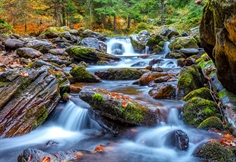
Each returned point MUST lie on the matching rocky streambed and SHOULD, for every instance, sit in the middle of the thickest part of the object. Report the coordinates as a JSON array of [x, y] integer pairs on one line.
[[63, 97]]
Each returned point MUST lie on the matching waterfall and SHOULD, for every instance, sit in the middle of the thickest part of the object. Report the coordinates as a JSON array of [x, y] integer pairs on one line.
[[74, 118]]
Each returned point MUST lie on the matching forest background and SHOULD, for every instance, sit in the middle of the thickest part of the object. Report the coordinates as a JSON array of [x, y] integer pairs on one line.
[[114, 17]]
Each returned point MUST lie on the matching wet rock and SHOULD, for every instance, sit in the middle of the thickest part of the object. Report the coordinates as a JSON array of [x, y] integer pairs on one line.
[[121, 74], [155, 61], [175, 55], [214, 151], [27, 97], [183, 42], [90, 55], [28, 52], [59, 60], [169, 32], [139, 41], [196, 110], [178, 139], [40, 63], [40, 45], [203, 92], [211, 122], [184, 34], [12, 44], [150, 76], [118, 109], [219, 41], [162, 91], [35, 155], [80, 74], [155, 40], [185, 62], [189, 51], [94, 43], [66, 35], [58, 51], [89, 33], [74, 32], [190, 78], [117, 52]]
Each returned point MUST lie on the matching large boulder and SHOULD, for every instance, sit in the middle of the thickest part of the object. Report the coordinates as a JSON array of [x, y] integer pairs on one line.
[[90, 55], [139, 41], [94, 43], [196, 110], [41, 45], [178, 139], [53, 32], [27, 98], [119, 110], [218, 37], [183, 42], [190, 78], [121, 74], [214, 151], [154, 41]]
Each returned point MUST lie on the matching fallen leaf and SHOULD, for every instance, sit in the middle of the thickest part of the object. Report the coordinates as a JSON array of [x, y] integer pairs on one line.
[[46, 159], [124, 104], [134, 130], [78, 155], [99, 148]]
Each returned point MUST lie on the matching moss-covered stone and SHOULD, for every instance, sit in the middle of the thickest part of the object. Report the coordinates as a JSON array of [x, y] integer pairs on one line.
[[201, 92], [80, 74], [53, 32], [90, 55], [196, 110], [211, 122], [155, 41], [226, 94], [214, 151], [190, 78], [183, 42]]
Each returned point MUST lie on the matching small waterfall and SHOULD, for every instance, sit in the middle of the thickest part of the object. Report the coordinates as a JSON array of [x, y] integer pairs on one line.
[[74, 118], [121, 43]]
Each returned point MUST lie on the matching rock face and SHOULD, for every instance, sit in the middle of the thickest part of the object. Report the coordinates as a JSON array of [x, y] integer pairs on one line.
[[27, 97], [115, 110], [218, 37]]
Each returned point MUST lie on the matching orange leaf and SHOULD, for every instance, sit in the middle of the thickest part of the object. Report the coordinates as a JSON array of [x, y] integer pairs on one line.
[[227, 107], [134, 130], [124, 104], [231, 115], [77, 155], [46, 159], [219, 104], [99, 148]]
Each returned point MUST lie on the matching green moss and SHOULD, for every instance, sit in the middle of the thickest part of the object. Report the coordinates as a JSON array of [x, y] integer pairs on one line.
[[201, 92], [225, 93], [132, 112], [214, 151], [97, 97], [211, 122], [197, 110], [81, 74]]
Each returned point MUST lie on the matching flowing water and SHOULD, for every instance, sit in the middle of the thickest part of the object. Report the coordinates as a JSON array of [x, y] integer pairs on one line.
[[69, 126]]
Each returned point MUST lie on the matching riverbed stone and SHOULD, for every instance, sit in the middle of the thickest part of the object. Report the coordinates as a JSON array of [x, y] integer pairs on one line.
[[162, 91], [214, 151], [150, 76], [80, 74], [90, 55], [211, 122], [118, 109], [178, 139], [196, 110], [189, 51], [121, 74], [12, 44], [94, 43], [28, 52], [190, 78], [41, 45]]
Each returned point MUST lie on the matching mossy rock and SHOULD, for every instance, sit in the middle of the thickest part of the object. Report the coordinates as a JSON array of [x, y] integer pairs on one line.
[[201, 92], [53, 32], [211, 122], [155, 41], [225, 94], [190, 78], [196, 110], [90, 55], [214, 151], [80, 74], [183, 42], [208, 67], [121, 74], [119, 108]]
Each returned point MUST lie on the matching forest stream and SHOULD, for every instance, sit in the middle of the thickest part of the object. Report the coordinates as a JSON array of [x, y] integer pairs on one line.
[[69, 126]]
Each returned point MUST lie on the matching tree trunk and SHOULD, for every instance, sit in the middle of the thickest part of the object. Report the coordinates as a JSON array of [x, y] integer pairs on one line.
[[129, 19], [104, 21], [25, 26], [63, 16], [162, 12], [56, 13], [114, 23]]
